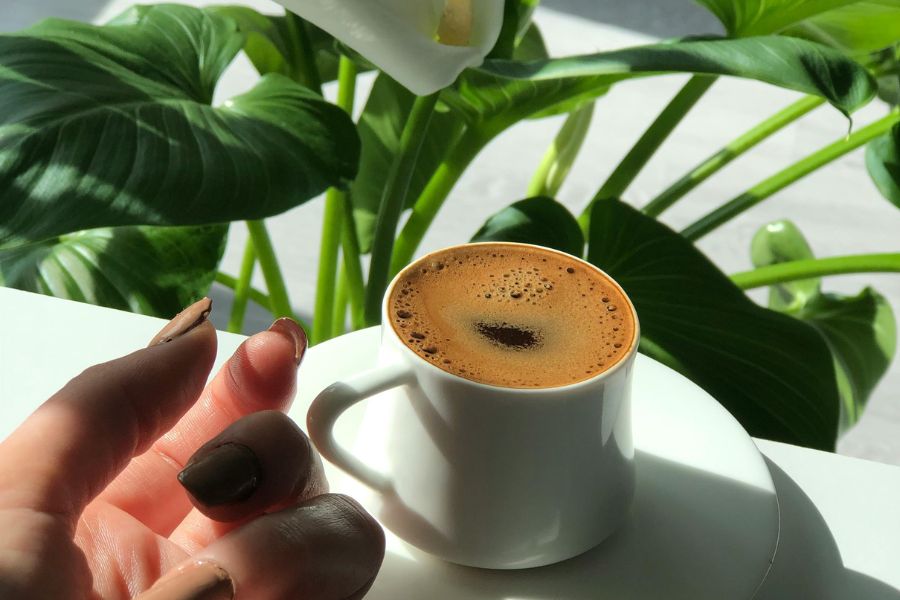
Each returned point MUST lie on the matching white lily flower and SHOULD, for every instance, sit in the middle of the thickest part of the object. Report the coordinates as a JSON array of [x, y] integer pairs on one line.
[[423, 44]]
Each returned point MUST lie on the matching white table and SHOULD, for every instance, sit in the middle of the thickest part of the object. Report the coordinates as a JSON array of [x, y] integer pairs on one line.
[[840, 530]]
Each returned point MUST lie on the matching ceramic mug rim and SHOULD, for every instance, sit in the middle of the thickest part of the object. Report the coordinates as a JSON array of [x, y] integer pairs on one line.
[[626, 359]]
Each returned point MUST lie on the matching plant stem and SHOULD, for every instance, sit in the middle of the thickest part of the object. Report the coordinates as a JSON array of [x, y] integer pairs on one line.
[[242, 289], [558, 159], [328, 258], [255, 294], [307, 71], [278, 296], [732, 150], [351, 272], [649, 143], [433, 196], [332, 224], [784, 178], [339, 315], [817, 267], [393, 199]]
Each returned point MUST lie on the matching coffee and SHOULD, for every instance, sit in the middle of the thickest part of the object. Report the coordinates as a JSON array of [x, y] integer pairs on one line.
[[512, 315]]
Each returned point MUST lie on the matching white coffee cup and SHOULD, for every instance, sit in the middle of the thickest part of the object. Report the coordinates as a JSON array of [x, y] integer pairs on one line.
[[489, 476]]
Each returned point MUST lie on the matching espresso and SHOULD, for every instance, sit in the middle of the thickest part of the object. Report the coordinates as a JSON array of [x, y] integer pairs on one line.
[[512, 316]]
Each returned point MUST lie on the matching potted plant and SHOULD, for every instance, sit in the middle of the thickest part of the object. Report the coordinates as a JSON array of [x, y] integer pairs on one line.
[[119, 178]]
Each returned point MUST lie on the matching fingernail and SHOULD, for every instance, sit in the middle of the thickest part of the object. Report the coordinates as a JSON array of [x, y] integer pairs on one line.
[[290, 329], [191, 317], [197, 581], [226, 474]]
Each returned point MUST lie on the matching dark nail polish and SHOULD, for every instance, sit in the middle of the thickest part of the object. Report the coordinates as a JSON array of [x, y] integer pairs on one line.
[[191, 317], [226, 474], [198, 581], [292, 330]]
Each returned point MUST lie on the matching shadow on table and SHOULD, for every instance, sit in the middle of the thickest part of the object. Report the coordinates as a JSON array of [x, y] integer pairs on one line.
[[661, 18], [666, 549], [808, 563]]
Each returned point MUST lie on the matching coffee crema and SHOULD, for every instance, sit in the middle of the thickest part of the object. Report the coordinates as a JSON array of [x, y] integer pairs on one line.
[[511, 315]]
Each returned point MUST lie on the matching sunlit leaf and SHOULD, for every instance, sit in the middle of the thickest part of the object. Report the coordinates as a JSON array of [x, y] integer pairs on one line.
[[778, 242], [860, 330], [109, 126], [150, 270]]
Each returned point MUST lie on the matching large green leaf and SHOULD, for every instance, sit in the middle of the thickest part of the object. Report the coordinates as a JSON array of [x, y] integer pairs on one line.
[[541, 221], [860, 330], [150, 270], [856, 28], [772, 372], [108, 126], [503, 92], [883, 163], [380, 127]]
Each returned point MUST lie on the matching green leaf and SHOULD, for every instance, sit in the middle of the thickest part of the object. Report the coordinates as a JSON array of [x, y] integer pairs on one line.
[[853, 26], [110, 126], [856, 28], [541, 221], [779, 242], [860, 330], [273, 47], [531, 46], [506, 91], [761, 17], [883, 163], [150, 270], [516, 20], [772, 372], [380, 127]]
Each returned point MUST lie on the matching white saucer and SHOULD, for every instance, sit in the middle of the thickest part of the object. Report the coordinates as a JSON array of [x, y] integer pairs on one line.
[[704, 525]]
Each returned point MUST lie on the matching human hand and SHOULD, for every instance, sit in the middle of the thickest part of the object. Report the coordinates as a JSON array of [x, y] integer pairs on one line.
[[91, 508]]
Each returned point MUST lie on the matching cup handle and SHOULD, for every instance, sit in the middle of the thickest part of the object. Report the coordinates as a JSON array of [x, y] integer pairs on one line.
[[331, 403]]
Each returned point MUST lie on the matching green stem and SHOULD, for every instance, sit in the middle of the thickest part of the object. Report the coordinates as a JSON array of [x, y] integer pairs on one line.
[[817, 267], [393, 199], [256, 295], [784, 178], [278, 296], [735, 148], [433, 196], [332, 224], [649, 143], [307, 71], [558, 159], [341, 300], [242, 289], [351, 272], [328, 258]]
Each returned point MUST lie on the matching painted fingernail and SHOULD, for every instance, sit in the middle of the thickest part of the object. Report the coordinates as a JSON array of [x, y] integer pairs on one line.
[[290, 329], [191, 317], [226, 474], [197, 581]]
